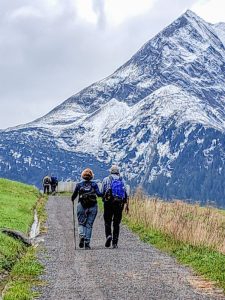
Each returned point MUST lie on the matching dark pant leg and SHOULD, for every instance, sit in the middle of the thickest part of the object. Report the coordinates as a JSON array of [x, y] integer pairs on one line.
[[91, 215], [117, 217], [45, 189], [53, 187], [82, 218], [108, 214]]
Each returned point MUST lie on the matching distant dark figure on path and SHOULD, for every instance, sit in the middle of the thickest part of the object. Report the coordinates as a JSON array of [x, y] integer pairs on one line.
[[115, 198], [46, 184], [54, 184], [87, 207]]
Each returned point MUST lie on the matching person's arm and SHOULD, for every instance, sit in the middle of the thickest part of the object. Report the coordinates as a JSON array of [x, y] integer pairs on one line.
[[126, 198], [76, 191], [97, 191], [104, 188], [127, 205]]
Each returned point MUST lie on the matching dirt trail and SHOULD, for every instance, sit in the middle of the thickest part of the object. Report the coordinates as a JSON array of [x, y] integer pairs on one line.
[[133, 271]]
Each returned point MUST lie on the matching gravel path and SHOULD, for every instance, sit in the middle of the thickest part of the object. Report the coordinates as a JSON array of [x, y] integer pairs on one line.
[[133, 271]]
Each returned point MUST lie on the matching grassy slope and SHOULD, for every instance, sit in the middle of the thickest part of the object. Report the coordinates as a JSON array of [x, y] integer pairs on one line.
[[193, 234], [206, 262], [17, 202], [24, 276]]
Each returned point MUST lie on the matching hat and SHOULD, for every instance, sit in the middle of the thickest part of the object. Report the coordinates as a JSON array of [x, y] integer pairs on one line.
[[87, 174], [114, 169]]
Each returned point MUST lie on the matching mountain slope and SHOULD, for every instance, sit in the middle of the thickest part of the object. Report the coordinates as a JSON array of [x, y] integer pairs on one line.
[[220, 31], [160, 117]]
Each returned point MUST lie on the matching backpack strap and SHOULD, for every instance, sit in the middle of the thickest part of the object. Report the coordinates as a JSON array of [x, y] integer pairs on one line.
[[108, 194], [110, 179]]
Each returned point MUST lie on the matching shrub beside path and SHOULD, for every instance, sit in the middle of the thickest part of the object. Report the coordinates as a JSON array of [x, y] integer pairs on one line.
[[133, 271]]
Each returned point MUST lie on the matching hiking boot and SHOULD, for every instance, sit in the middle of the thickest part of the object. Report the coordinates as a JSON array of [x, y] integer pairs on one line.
[[81, 242], [87, 246], [108, 241], [114, 246]]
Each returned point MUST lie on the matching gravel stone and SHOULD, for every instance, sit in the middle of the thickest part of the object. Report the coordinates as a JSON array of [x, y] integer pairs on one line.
[[133, 271]]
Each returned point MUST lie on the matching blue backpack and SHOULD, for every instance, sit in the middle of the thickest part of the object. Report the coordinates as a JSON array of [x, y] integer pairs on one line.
[[54, 180], [117, 189]]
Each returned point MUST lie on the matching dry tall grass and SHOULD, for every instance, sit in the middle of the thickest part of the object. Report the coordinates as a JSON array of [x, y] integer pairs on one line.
[[184, 222]]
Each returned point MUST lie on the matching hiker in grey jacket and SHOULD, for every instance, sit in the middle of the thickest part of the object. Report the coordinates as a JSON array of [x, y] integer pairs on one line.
[[115, 198], [46, 184]]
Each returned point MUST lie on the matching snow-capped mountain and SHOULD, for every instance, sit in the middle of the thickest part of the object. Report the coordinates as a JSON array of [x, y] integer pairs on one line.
[[160, 117]]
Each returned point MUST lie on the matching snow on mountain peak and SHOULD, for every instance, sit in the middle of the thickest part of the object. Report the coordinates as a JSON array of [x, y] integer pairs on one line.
[[95, 133], [186, 56], [193, 16], [160, 116], [187, 53], [220, 30]]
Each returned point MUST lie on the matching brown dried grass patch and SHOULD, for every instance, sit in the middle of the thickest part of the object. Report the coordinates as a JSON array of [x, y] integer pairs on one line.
[[189, 223]]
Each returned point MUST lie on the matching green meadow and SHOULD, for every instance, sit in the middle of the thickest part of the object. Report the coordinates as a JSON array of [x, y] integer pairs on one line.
[[18, 265]]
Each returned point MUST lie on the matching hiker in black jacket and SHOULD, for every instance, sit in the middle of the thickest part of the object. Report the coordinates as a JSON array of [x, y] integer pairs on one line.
[[87, 207], [54, 184], [115, 198]]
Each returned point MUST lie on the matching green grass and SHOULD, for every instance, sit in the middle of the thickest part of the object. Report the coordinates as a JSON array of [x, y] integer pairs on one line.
[[100, 204], [23, 276], [42, 215], [17, 203], [206, 262]]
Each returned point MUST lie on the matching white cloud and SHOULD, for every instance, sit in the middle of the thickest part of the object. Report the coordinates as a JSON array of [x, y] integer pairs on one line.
[[211, 10], [85, 10], [24, 12], [118, 11]]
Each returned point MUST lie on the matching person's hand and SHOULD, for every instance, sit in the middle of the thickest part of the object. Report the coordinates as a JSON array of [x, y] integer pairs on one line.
[[126, 208]]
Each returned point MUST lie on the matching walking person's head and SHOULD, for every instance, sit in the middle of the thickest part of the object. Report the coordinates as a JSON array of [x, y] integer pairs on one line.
[[115, 170], [87, 174]]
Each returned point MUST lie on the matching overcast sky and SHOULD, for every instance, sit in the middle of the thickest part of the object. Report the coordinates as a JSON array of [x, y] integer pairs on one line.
[[51, 49]]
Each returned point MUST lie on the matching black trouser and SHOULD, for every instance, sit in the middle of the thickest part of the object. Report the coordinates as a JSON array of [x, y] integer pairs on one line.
[[113, 213], [53, 188], [46, 188]]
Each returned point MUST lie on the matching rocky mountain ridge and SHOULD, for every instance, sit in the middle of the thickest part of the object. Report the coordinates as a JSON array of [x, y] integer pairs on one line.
[[160, 116]]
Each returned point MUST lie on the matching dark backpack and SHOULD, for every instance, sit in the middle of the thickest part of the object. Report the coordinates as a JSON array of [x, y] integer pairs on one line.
[[117, 189], [87, 195]]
